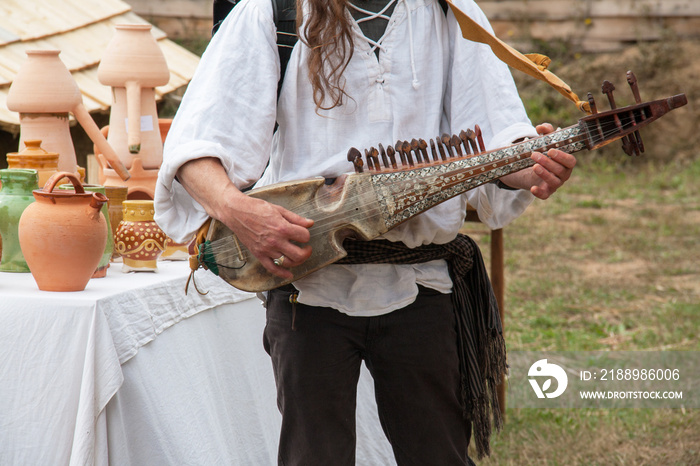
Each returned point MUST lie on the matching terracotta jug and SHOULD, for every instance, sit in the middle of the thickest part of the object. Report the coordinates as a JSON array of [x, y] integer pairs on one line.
[[15, 197], [44, 93], [134, 65], [35, 157], [63, 235], [102, 267], [139, 240]]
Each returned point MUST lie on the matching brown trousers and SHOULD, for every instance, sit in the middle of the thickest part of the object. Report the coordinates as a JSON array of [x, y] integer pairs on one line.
[[412, 356]]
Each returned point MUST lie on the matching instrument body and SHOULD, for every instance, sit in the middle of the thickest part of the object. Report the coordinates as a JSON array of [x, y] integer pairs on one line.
[[367, 204], [338, 210]]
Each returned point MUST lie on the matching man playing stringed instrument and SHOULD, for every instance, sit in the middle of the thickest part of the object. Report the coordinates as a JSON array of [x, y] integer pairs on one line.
[[362, 73]]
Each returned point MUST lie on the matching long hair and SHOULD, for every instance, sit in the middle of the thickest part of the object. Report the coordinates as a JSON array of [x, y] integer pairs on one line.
[[328, 34]]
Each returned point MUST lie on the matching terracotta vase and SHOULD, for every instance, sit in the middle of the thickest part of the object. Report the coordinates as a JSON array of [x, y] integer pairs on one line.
[[134, 65], [116, 196], [15, 197], [44, 93], [63, 235], [142, 184], [139, 240], [102, 267], [35, 157]]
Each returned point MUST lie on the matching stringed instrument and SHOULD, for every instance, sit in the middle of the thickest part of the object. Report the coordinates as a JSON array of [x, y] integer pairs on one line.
[[405, 180]]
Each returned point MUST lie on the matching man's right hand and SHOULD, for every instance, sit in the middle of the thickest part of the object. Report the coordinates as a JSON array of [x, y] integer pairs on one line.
[[271, 233]]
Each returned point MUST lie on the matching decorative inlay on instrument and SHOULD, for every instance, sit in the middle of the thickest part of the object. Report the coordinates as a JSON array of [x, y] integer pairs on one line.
[[406, 179]]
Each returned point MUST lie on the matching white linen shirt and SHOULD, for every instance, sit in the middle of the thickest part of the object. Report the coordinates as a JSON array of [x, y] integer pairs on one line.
[[427, 81]]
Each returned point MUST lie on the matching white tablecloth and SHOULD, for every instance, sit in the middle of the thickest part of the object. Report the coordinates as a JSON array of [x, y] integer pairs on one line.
[[106, 375]]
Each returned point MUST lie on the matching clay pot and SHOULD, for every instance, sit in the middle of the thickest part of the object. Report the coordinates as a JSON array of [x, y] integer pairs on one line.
[[142, 184], [139, 240], [36, 158], [44, 93], [15, 197], [102, 267], [133, 65], [116, 196], [63, 235]]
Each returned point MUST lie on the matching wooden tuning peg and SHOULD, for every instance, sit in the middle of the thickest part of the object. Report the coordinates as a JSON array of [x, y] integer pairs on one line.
[[414, 148], [355, 157], [406, 149], [465, 141], [479, 138], [447, 142], [383, 154], [456, 142], [390, 152]]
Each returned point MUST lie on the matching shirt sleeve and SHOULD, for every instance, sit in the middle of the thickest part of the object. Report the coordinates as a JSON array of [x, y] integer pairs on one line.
[[227, 110], [481, 91]]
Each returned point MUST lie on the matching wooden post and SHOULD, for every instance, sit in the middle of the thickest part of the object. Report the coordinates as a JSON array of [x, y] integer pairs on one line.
[[498, 283]]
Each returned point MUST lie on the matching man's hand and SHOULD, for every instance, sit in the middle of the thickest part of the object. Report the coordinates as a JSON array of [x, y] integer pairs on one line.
[[270, 232], [548, 174]]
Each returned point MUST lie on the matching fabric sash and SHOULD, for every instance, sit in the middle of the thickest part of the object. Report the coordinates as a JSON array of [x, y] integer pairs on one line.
[[482, 351]]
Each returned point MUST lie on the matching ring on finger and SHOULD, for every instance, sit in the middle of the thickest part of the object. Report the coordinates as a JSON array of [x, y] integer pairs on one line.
[[279, 261]]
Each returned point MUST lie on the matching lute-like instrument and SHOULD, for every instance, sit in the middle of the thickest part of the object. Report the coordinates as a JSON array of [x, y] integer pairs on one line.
[[406, 179]]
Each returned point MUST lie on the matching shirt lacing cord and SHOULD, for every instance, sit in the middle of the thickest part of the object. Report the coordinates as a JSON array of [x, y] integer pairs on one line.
[[370, 15]]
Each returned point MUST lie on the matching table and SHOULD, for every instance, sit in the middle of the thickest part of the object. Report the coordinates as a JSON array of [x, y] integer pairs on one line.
[[134, 371]]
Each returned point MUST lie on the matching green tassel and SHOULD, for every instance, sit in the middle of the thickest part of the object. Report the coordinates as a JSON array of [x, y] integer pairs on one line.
[[206, 257]]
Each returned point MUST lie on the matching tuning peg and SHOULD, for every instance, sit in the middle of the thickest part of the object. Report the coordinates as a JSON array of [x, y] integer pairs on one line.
[[441, 149], [406, 149], [374, 156], [399, 149], [632, 81], [391, 153], [591, 102], [433, 151], [447, 142], [456, 142], [479, 138], [423, 148], [414, 148], [355, 157], [471, 137], [465, 141], [368, 158], [608, 89], [383, 154], [628, 144]]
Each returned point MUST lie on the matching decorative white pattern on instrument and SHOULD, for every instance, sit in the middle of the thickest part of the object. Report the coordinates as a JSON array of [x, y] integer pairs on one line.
[[403, 194]]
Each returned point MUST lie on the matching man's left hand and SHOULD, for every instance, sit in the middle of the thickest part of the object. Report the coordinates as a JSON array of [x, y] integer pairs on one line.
[[548, 174]]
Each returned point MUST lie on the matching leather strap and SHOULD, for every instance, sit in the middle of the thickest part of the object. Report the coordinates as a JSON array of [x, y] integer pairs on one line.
[[532, 64]]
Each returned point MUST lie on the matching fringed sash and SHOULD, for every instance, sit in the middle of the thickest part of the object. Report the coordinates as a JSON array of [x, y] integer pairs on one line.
[[482, 351]]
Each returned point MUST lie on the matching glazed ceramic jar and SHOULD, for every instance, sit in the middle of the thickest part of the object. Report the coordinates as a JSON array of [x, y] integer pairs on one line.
[[139, 240], [134, 65], [44, 93], [36, 158], [15, 197], [116, 196], [63, 235], [175, 251]]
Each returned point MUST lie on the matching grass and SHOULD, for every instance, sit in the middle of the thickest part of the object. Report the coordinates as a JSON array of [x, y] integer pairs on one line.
[[610, 262]]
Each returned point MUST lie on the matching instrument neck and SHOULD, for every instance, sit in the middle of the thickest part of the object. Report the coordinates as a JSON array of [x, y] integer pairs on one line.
[[407, 193]]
